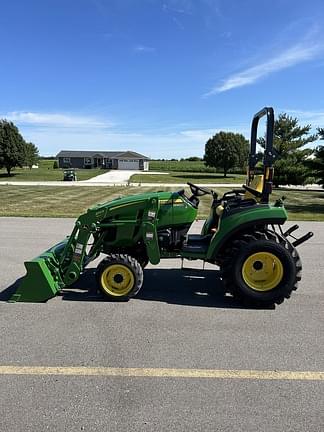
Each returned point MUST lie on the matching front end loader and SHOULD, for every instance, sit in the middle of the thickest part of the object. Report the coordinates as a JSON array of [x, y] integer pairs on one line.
[[243, 235]]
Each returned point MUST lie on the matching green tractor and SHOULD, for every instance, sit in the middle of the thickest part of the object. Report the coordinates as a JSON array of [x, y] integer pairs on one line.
[[242, 235]]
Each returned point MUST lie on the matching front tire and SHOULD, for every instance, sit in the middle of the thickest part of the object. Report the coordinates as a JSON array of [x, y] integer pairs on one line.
[[262, 268], [142, 260], [119, 277]]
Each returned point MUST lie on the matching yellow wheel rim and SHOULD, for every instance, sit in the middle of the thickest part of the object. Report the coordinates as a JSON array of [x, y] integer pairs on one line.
[[262, 271], [117, 280]]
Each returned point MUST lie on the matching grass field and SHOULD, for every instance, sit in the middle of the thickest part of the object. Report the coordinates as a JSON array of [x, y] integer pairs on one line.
[[184, 177], [45, 172], [179, 166], [70, 202]]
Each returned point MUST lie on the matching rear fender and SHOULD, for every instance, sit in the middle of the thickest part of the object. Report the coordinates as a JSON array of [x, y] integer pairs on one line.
[[232, 225]]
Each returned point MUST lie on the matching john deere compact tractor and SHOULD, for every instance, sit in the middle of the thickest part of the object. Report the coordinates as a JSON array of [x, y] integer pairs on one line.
[[243, 235]]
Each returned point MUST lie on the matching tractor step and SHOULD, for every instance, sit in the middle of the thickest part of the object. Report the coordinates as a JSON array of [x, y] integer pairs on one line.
[[196, 243]]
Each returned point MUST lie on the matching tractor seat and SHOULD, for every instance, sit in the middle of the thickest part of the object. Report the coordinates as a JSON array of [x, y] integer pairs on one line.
[[256, 184]]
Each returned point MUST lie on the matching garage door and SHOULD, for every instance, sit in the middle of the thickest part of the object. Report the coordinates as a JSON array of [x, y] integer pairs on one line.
[[128, 164]]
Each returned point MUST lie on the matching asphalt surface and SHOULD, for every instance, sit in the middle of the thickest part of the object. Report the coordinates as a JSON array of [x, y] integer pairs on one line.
[[175, 322]]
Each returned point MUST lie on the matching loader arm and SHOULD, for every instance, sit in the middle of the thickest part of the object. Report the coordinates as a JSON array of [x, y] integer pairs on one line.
[[61, 265], [89, 223]]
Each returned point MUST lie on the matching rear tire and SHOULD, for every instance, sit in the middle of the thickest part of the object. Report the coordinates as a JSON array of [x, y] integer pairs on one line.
[[119, 277], [262, 268]]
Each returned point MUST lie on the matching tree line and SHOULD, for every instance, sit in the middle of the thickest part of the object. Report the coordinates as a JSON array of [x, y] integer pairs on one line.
[[227, 151], [294, 164], [14, 150]]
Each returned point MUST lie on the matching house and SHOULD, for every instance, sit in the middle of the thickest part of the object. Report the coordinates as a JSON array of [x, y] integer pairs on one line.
[[127, 160]]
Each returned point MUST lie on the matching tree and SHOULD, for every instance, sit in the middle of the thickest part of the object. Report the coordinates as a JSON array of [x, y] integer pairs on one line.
[[193, 159], [289, 138], [317, 164], [225, 150], [11, 146], [31, 154], [293, 169]]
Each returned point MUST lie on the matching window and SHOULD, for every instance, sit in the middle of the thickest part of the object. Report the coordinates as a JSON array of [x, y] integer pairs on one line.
[[87, 161], [66, 160]]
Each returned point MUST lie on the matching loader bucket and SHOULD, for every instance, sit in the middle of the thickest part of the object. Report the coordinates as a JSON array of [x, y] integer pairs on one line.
[[43, 279]]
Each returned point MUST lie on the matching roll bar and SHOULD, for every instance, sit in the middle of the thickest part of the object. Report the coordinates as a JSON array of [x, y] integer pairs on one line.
[[268, 151], [268, 157]]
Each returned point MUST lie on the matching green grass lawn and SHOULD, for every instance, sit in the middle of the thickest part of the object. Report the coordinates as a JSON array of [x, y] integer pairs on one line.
[[184, 177], [168, 165], [54, 201], [45, 172], [191, 166]]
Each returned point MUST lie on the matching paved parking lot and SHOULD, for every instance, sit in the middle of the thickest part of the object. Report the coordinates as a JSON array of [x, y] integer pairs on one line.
[[175, 324]]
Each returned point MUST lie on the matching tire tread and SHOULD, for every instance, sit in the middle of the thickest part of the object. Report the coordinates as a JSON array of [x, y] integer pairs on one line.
[[241, 243]]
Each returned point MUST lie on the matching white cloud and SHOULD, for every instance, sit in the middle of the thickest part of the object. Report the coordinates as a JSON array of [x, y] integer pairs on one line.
[[180, 143], [178, 23], [54, 120], [144, 49], [54, 132], [155, 144], [204, 134], [226, 34], [168, 145], [315, 118], [298, 53], [183, 7], [199, 134]]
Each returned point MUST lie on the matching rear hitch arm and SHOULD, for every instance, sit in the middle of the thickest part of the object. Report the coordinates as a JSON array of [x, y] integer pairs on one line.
[[290, 230], [300, 240], [303, 239]]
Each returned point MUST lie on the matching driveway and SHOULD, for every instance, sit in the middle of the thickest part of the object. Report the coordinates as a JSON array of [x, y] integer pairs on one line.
[[113, 176]]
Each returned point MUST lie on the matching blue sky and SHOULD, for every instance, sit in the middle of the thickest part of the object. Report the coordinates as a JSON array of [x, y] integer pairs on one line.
[[156, 76]]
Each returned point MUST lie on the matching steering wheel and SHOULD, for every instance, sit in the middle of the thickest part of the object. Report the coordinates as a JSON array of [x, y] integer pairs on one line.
[[199, 191]]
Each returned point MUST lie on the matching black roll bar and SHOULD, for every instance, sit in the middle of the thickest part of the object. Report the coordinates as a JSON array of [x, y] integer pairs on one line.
[[268, 151], [268, 156]]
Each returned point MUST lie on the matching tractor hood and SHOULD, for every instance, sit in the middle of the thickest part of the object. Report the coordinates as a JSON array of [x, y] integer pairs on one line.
[[174, 208], [133, 199]]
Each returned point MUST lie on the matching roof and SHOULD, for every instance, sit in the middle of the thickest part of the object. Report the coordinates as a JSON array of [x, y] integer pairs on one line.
[[99, 153]]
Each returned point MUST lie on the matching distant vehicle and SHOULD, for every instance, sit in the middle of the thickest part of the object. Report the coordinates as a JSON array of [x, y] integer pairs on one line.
[[69, 175]]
